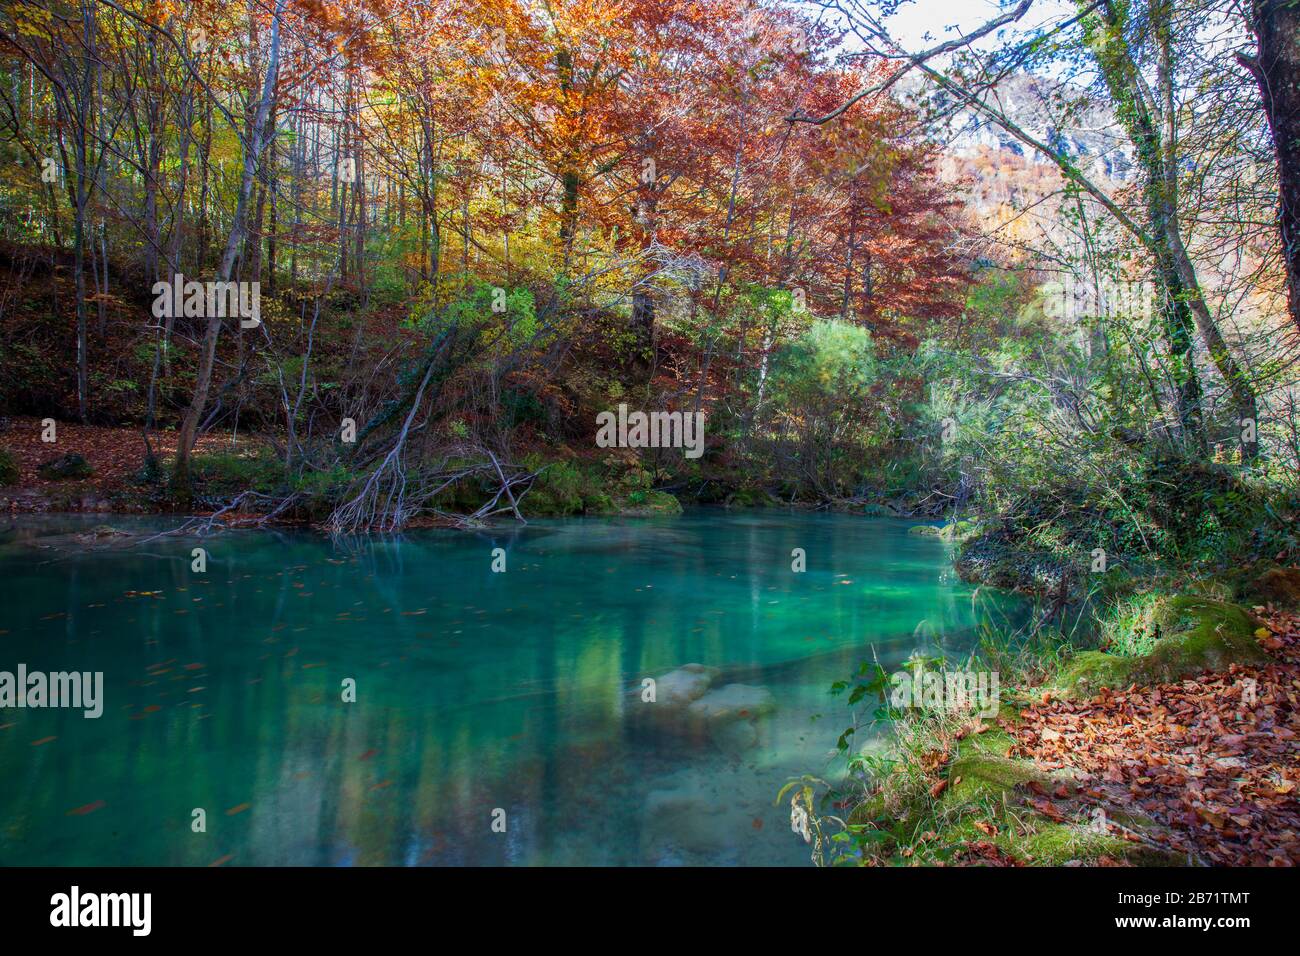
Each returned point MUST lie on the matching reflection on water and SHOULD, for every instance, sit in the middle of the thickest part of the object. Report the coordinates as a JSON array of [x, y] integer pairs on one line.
[[476, 691]]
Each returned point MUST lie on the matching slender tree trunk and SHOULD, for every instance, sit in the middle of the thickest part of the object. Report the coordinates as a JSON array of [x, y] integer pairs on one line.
[[207, 356], [1276, 68], [1157, 154]]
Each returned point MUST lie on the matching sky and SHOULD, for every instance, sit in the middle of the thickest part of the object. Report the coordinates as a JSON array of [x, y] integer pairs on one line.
[[918, 18]]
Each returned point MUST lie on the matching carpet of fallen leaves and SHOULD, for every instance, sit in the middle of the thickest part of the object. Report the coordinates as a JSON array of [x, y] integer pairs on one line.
[[116, 454], [1215, 759]]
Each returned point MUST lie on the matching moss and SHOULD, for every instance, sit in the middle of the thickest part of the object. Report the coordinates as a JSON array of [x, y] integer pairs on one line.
[[990, 742], [647, 503], [1089, 671], [1207, 635], [561, 488], [1055, 844], [953, 531], [976, 775], [870, 810]]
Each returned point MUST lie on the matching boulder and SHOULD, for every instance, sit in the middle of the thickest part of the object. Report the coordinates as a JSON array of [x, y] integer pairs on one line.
[[677, 689]]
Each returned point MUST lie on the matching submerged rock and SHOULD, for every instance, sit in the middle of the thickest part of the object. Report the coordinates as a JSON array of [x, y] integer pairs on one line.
[[687, 705], [733, 702], [689, 819], [677, 689]]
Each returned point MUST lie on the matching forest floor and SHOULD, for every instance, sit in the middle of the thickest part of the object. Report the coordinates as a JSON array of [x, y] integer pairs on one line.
[[1203, 769], [1213, 759], [117, 456]]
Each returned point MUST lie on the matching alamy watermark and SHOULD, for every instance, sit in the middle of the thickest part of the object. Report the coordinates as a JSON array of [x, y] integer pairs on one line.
[[651, 430], [75, 908], [1073, 298], [38, 689], [208, 300], [945, 691]]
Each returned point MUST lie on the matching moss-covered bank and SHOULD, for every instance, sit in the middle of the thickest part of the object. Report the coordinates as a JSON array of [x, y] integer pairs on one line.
[[948, 788]]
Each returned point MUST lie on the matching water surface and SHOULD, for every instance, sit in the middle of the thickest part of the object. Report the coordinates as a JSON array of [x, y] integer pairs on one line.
[[476, 691]]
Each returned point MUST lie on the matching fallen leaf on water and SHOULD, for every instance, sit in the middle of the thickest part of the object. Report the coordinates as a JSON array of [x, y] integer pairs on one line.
[[238, 808], [88, 808]]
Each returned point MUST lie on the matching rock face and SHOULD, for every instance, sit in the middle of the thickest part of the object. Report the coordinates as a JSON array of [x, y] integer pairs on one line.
[[687, 704], [65, 468]]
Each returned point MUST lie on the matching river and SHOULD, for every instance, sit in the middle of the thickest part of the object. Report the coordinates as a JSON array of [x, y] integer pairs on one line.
[[498, 717]]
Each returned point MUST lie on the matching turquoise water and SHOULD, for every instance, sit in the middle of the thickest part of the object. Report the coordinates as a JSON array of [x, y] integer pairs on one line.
[[481, 697]]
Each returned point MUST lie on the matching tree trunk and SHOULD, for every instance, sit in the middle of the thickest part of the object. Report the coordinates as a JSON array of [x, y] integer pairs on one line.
[[1276, 68], [207, 357]]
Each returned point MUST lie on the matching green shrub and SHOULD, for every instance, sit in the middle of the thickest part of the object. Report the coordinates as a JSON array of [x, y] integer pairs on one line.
[[231, 473], [69, 467], [557, 490], [9, 473]]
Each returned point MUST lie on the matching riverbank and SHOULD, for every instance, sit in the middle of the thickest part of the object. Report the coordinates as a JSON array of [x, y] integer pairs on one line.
[[105, 469], [1180, 749]]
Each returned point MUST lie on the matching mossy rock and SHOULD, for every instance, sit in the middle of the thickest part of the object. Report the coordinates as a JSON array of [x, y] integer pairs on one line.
[[952, 531], [1207, 635], [978, 774], [69, 467], [1056, 844], [648, 503], [870, 810], [989, 782]]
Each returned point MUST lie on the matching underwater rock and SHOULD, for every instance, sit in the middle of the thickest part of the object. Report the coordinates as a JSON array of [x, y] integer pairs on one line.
[[733, 702], [677, 689], [685, 705], [689, 819], [734, 737]]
